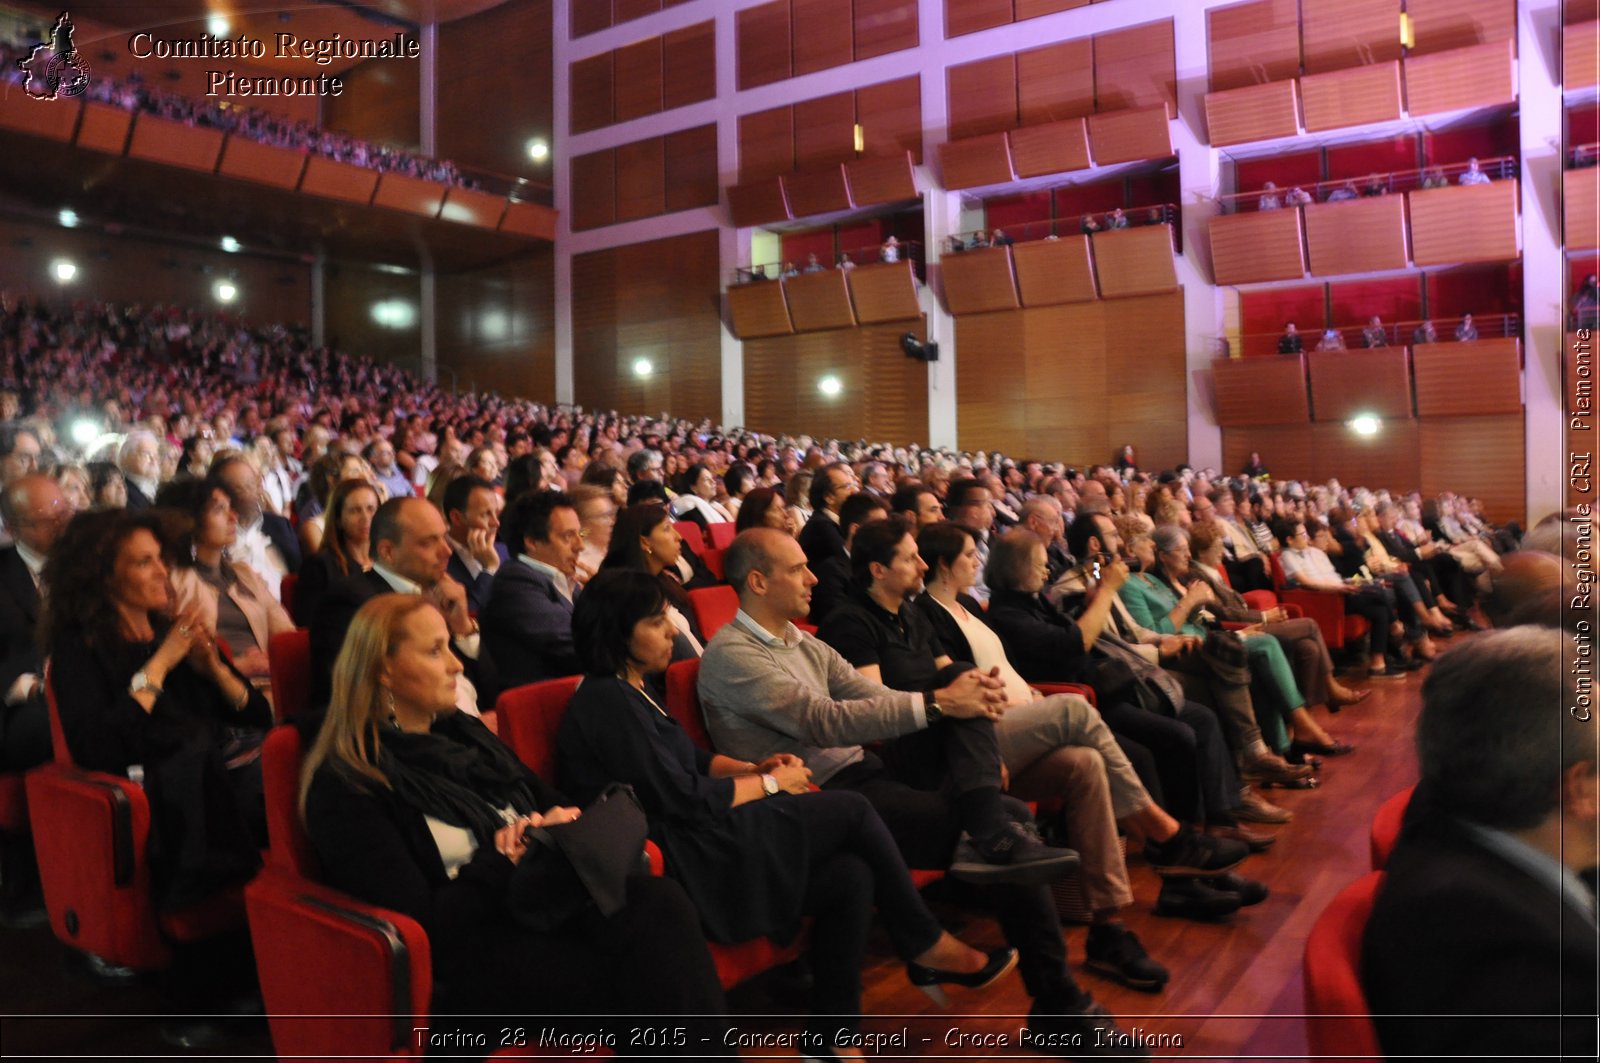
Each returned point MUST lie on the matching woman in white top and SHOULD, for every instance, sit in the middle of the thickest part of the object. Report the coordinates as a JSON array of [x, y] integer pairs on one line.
[[1307, 567], [697, 497]]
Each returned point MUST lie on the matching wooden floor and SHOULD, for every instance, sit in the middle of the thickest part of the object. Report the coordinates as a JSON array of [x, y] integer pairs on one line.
[[1235, 989]]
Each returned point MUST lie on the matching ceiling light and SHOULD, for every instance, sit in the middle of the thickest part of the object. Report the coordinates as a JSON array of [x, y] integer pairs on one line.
[[218, 26], [538, 150], [229, 244], [63, 270], [642, 367], [830, 385], [1364, 424], [68, 217], [226, 291]]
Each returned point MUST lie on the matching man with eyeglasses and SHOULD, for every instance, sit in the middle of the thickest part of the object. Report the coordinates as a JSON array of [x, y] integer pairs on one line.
[[597, 516]]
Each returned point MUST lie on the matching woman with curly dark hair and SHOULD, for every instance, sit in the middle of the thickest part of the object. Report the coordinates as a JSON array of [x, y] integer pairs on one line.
[[135, 687]]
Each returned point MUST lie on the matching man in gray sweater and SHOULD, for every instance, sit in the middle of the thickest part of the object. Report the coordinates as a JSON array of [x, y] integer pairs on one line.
[[766, 687]]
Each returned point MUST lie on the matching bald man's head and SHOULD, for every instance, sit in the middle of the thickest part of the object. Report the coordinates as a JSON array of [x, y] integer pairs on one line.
[[35, 510], [1526, 590]]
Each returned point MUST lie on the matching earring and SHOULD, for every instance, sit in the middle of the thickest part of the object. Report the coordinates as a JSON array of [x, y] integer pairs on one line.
[[387, 701]]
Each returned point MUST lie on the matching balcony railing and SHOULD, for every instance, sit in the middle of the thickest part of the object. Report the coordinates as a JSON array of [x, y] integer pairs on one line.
[[1395, 334], [904, 251], [1071, 225], [1499, 168]]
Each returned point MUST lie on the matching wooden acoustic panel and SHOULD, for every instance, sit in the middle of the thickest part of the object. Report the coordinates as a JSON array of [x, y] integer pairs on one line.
[[1134, 261], [55, 119], [888, 179], [757, 202], [1252, 391], [594, 179], [337, 180], [1342, 34], [1059, 147], [824, 130], [1574, 11], [1026, 9], [884, 393], [1580, 204], [590, 16], [636, 80], [176, 144], [1445, 25], [264, 163], [1347, 383], [1580, 56], [982, 96], [969, 16], [1285, 447], [884, 26], [1480, 76], [761, 38], [766, 143], [1480, 457], [1389, 459], [978, 281], [819, 301], [1465, 223], [1262, 245], [759, 308], [691, 158], [1056, 82], [816, 192], [1054, 271], [975, 161], [689, 65], [1253, 43], [628, 10], [1356, 236], [1457, 379], [530, 219], [1136, 67], [103, 128], [589, 82], [890, 114], [823, 32], [884, 291], [991, 382], [641, 179], [1254, 112], [397, 191], [1129, 136], [1356, 96], [469, 206]]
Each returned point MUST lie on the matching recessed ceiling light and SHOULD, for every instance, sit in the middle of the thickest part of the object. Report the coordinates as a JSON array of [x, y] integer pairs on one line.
[[229, 244], [63, 270], [68, 217], [830, 385], [218, 26], [226, 291], [538, 150], [642, 367]]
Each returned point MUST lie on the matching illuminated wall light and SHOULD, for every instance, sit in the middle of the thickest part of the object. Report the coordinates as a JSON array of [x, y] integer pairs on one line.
[[229, 244], [642, 367], [226, 291], [68, 217], [830, 385], [394, 313], [62, 270], [538, 150], [1408, 32], [860, 138], [218, 26], [1364, 425]]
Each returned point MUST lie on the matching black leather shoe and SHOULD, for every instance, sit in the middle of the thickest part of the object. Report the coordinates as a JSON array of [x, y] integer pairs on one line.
[[1015, 856], [1248, 890], [1194, 898], [1116, 952], [931, 979]]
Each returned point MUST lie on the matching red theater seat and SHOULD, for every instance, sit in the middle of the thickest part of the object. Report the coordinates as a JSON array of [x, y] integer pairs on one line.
[[721, 535], [289, 669], [1386, 825], [693, 537], [1339, 1022], [1325, 607], [713, 607]]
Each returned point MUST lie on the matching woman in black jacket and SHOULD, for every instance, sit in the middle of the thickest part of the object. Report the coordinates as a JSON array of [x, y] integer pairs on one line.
[[414, 806]]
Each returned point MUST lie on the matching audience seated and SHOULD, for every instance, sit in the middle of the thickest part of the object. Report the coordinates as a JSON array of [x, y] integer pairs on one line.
[[345, 550], [821, 537], [472, 515], [1290, 342], [833, 574], [35, 513], [645, 540], [527, 622]]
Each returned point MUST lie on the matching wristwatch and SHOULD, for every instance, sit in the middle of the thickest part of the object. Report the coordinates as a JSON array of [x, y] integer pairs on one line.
[[769, 784], [141, 681], [931, 709]]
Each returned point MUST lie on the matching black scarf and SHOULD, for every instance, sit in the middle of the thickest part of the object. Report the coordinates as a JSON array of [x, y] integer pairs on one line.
[[458, 772]]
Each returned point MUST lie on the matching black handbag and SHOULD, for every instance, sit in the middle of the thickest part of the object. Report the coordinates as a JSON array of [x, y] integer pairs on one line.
[[573, 867]]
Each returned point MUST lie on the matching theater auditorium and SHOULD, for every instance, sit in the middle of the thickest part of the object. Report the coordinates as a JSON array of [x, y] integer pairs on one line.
[[821, 529]]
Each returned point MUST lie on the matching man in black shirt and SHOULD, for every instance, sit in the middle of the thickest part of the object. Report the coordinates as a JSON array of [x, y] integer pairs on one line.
[[1290, 342], [822, 537], [833, 572]]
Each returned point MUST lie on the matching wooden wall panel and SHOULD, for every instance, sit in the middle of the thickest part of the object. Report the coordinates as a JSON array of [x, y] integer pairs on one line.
[[762, 42], [1055, 148], [884, 291], [1483, 75], [1581, 206], [1054, 271], [1336, 34], [104, 128], [524, 219], [398, 191], [1474, 378], [636, 80], [590, 16], [976, 161], [1389, 459], [1579, 11], [1257, 391], [1026, 9], [641, 180], [1347, 383], [766, 143], [338, 180], [820, 191], [1129, 136], [176, 143], [250, 161], [691, 162], [1136, 68], [1580, 56], [593, 190], [1254, 112], [757, 202], [1356, 237], [1287, 449], [628, 10], [477, 123], [1353, 96], [991, 382], [979, 281], [689, 65], [1472, 223], [1253, 43], [626, 306], [884, 26], [760, 308], [823, 31], [1146, 379], [970, 16], [982, 96], [819, 301], [1257, 246], [824, 131], [882, 180], [890, 114], [496, 329], [1134, 261], [1441, 25], [1056, 82], [1481, 457], [57, 122], [379, 103], [885, 394], [470, 206], [589, 83]]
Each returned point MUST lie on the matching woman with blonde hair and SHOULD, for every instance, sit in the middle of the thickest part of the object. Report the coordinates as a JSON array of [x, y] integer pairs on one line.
[[414, 806]]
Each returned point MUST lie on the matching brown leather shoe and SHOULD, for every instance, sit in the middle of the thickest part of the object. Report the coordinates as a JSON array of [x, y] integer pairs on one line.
[[1253, 808], [1274, 769], [1258, 841]]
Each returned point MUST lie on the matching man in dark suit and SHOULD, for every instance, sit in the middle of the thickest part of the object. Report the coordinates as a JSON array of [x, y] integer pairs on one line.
[[472, 512], [266, 542], [36, 513], [822, 537], [409, 556], [1482, 940], [527, 623], [833, 574]]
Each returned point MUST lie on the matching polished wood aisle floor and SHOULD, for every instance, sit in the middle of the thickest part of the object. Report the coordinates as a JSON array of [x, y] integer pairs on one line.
[[1235, 991]]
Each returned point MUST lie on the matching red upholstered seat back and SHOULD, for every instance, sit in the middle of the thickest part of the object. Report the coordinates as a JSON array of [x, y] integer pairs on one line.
[[1386, 827], [713, 607], [683, 700], [1339, 1020], [287, 844], [529, 719], [286, 592], [722, 535], [289, 669], [693, 537]]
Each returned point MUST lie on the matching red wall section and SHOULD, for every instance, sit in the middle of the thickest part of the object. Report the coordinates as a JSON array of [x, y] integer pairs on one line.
[[1583, 125], [1483, 141], [1151, 189], [1481, 290], [1016, 211], [1579, 268], [1082, 199], [1382, 156], [1393, 299], [796, 246], [867, 234], [1303, 168], [1265, 312]]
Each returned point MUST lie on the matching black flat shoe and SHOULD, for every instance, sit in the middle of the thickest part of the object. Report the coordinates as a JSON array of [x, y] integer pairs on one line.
[[1334, 749], [931, 979]]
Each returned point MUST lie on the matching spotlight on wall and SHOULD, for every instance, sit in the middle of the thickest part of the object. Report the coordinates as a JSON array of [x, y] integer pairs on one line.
[[218, 26], [225, 291], [915, 348], [538, 149], [860, 139], [394, 313], [229, 244], [63, 270], [642, 367], [830, 385], [68, 218], [1364, 424]]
